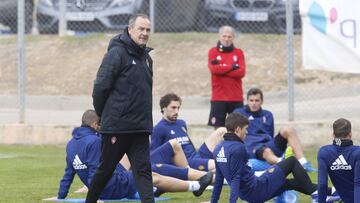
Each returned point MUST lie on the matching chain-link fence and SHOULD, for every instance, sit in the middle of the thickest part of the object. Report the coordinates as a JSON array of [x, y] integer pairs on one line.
[[169, 15], [184, 32]]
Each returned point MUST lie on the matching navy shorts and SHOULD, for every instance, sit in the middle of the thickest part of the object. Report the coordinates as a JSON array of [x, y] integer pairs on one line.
[[277, 145], [162, 154], [220, 109], [198, 163], [204, 152]]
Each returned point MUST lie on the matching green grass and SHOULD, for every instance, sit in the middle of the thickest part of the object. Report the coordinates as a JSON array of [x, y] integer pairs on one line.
[[32, 173]]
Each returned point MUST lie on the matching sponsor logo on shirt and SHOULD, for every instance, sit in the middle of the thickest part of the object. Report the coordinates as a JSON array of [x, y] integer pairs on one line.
[[77, 163], [220, 157], [183, 140], [340, 164]]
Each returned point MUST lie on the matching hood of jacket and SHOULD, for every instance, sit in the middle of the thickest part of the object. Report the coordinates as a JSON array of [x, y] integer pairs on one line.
[[124, 39], [83, 131]]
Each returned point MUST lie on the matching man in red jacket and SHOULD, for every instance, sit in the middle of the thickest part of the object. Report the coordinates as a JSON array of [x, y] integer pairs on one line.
[[227, 66]]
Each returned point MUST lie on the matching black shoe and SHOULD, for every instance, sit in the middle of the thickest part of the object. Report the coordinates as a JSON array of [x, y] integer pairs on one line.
[[204, 181], [158, 192]]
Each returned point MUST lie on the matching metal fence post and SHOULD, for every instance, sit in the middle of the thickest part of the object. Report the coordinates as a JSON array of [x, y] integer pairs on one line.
[[152, 15], [62, 18], [21, 59], [290, 60]]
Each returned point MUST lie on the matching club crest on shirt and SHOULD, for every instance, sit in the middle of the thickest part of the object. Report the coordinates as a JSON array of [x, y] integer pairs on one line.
[[271, 170], [213, 120], [218, 58], [264, 119], [158, 165], [235, 58], [113, 140], [184, 129], [201, 167]]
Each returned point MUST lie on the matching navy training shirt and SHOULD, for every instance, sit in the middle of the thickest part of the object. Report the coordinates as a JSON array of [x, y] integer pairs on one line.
[[341, 162], [165, 131]]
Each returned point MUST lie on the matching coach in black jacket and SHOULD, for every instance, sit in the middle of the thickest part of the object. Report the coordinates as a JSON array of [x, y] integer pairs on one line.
[[122, 97]]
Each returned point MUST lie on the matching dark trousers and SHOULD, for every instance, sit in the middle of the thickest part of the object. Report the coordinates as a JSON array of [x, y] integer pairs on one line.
[[114, 146], [301, 181]]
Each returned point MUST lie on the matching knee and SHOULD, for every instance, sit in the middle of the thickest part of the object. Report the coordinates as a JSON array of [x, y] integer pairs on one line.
[[267, 152], [156, 179], [287, 131], [175, 145], [292, 160]]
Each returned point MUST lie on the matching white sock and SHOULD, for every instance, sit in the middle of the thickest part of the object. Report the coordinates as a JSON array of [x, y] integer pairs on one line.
[[302, 160], [193, 186]]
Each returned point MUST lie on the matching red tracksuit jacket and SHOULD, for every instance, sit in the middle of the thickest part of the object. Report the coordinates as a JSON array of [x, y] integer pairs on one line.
[[226, 82]]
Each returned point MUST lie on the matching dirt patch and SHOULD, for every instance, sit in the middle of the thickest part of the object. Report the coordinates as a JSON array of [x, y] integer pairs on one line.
[[67, 66]]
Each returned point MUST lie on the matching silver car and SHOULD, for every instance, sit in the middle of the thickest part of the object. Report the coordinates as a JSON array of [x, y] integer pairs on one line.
[[87, 15], [103, 15]]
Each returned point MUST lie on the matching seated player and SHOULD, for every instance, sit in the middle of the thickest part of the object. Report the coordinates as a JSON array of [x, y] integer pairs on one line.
[[231, 163], [260, 141], [170, 127], [82, 158], [341, 162]]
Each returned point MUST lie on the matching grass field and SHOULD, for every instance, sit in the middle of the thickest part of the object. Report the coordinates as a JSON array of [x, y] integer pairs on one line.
[[32, 173]]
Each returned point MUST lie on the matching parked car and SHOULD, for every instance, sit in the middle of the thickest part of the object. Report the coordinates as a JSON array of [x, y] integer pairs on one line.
[[86, 15], [8, 14], [249, 15], [100, 15]]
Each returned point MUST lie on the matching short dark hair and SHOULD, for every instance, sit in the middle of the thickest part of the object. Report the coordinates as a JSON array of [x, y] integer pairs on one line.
[[134, 17], [342, 128], [89, 117], [255, 91], [235, 120], [167, 99]]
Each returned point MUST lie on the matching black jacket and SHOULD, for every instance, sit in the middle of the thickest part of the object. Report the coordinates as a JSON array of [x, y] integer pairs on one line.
[[122, 94]]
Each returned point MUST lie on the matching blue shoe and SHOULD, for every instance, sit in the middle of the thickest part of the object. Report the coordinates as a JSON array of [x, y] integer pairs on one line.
[[309, 168]]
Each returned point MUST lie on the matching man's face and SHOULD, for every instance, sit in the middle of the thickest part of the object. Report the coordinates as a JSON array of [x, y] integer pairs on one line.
[[171, 112], [226, 38], [141, 31], [254, 102], [244, 132]]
